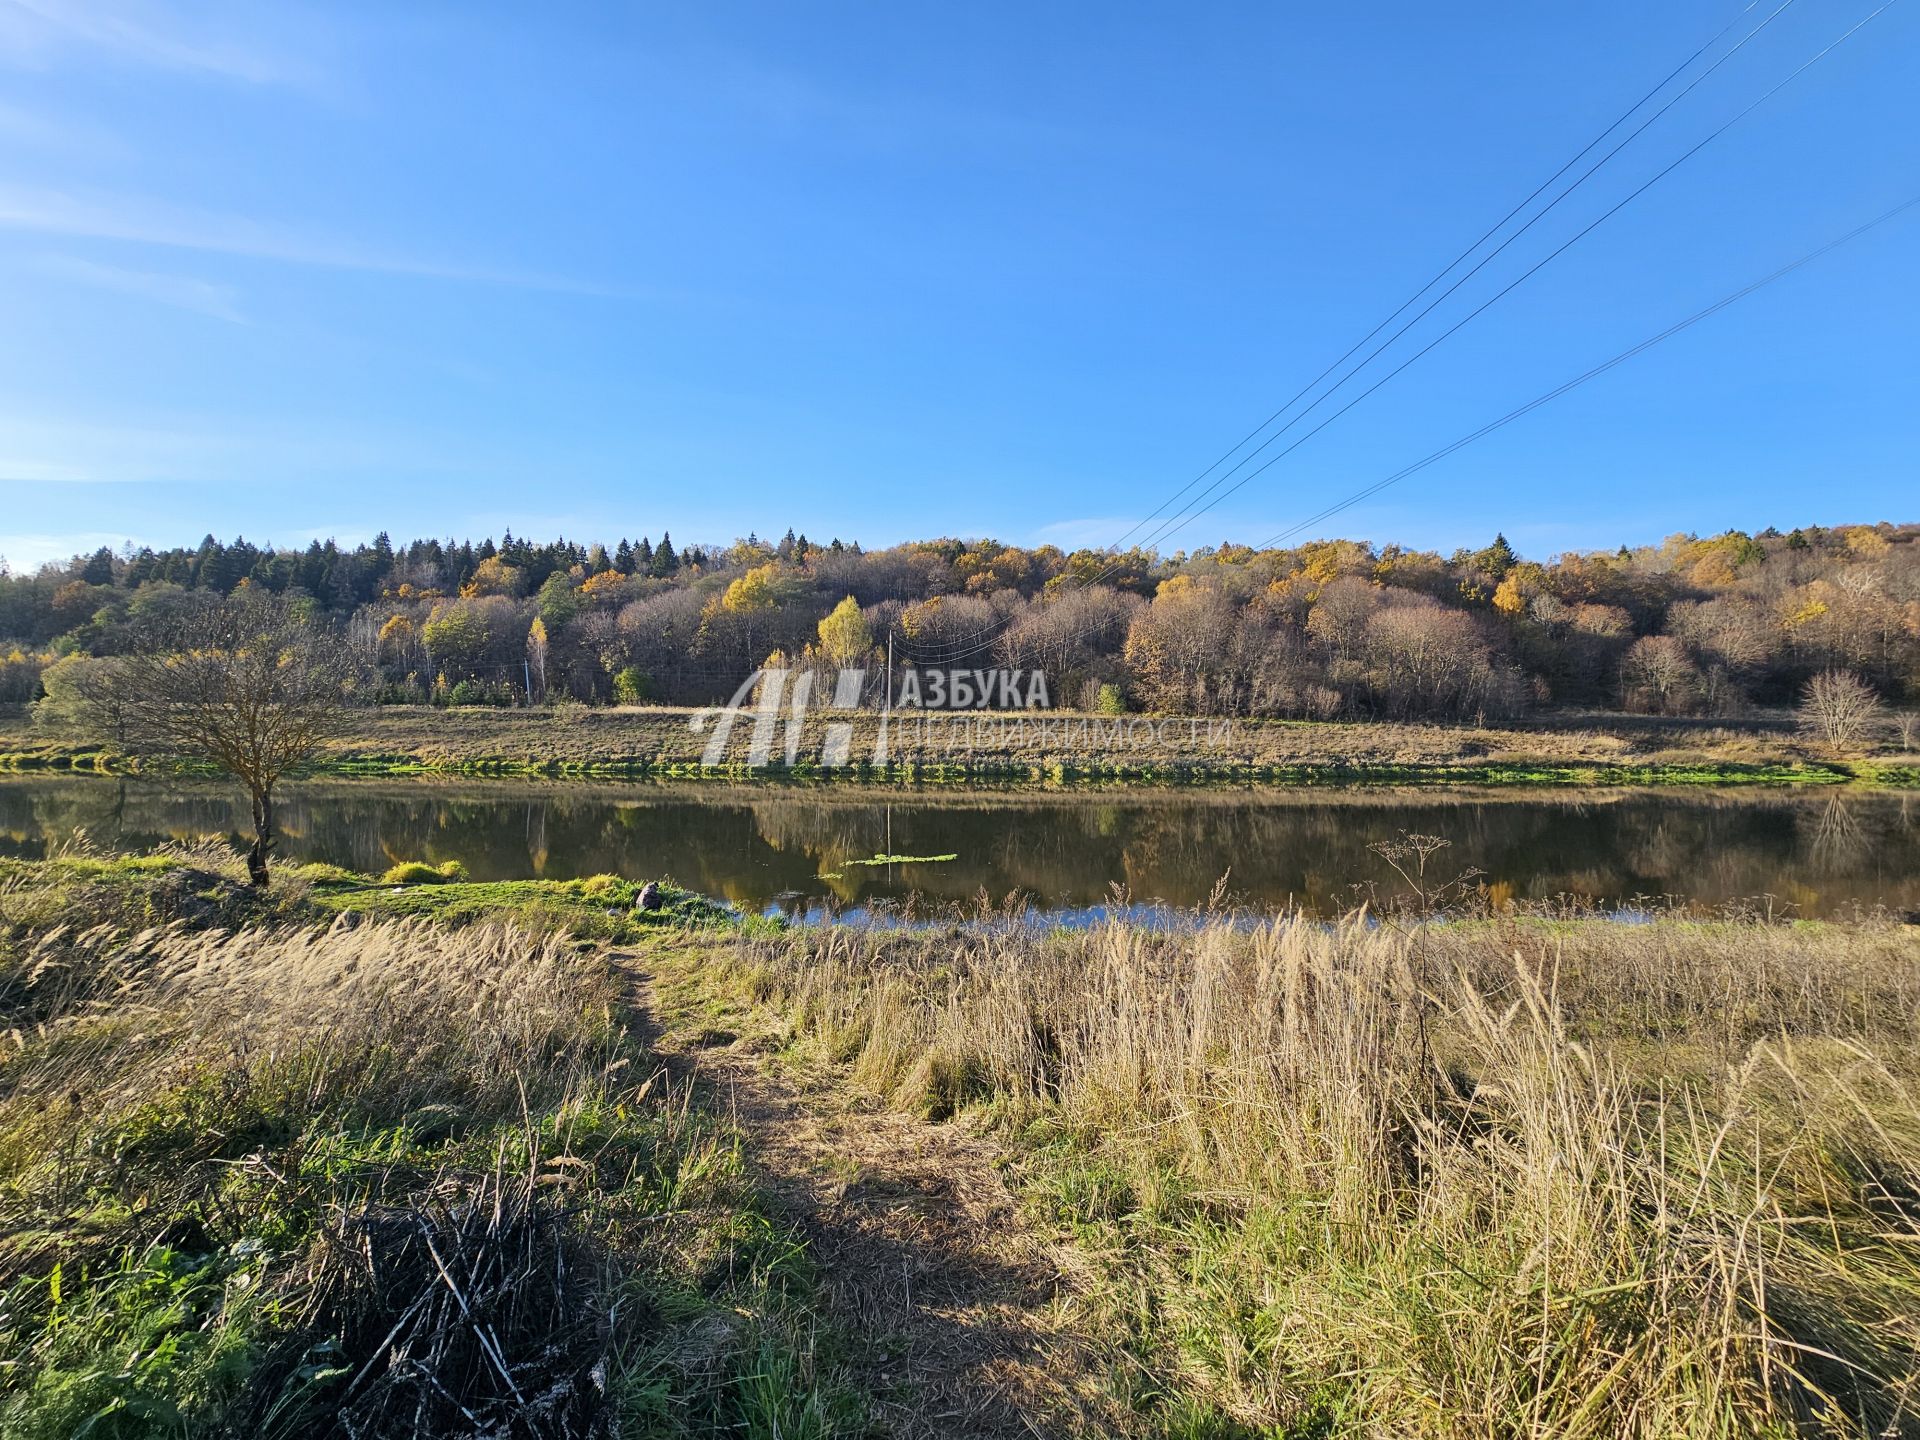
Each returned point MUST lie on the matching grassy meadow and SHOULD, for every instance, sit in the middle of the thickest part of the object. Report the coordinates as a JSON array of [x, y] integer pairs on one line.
[[1488, 1178], [409, 1159], [274, 1168], [1055, 747]]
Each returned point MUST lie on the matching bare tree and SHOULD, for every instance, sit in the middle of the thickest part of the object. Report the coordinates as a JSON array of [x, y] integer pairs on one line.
[[1658, 676], [1066, 635], [248, 686], [1839, 707], [1426, 659]]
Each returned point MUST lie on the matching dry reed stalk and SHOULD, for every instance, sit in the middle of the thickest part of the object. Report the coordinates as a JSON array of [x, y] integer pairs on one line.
[[1653, 1174]]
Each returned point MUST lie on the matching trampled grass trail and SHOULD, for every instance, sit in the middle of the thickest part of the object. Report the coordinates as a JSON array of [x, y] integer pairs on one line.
[[958, 1316]]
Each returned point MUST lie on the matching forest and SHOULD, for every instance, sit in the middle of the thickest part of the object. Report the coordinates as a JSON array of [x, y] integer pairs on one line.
[[1332, 629]]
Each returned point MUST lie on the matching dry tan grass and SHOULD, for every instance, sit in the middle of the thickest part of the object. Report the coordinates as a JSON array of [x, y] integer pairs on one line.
[[398, 1014], [662, 736], [1658, 1180], [279, 1180]]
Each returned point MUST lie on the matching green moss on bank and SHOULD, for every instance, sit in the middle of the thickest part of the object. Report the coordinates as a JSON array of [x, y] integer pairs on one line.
[[601, 907]]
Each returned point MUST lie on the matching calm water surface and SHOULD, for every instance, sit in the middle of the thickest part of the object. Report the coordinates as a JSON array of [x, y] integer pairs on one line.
[[1820, 852]]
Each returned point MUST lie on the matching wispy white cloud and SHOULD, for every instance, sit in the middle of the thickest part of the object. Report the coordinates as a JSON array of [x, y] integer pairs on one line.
[[39, 450], [1091, 530], [37, 32], [284, 452], [42, 449], [25, 552], [134, 219], [26, 129], [183, 292]]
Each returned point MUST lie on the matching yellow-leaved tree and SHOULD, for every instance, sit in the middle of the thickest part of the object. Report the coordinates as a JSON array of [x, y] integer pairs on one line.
[[752, 597], [537, 654], [845, 637]]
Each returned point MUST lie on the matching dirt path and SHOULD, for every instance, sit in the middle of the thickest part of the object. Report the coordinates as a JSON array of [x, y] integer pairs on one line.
[[957, 1312]]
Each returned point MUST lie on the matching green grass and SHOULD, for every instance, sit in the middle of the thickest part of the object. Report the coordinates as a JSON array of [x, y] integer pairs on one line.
[[198, 884], [601, 907], [1653, 1180], [418, 872], [201, 1127]]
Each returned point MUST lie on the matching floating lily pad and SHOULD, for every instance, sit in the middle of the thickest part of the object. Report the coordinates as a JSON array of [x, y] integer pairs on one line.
[[904, 860]]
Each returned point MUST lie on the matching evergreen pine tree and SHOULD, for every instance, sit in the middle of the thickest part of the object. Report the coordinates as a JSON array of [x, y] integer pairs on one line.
[[99, 567]]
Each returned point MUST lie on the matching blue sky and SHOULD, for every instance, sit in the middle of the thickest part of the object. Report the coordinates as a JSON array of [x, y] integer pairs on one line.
[[889, 271]]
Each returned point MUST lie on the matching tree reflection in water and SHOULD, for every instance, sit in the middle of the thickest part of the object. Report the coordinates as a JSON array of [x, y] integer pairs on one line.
[[1058, 851]]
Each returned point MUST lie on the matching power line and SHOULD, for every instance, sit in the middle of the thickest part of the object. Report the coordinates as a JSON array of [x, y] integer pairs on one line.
[[1598, 370], [1493, 230], [983, 638], [1165, 533], [1594, 373]]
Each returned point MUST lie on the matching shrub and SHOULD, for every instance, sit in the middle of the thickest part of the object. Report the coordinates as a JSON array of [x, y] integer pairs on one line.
[[321, 873], [418, 872], [475, 692], [631, 685], [1110, 701], [405, 692], [20, 674]]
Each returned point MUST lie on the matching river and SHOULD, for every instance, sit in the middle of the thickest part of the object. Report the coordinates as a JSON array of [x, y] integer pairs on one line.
[[1810, 852]]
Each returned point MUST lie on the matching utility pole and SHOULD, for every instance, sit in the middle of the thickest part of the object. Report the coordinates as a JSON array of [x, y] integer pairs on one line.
[[886, 718]]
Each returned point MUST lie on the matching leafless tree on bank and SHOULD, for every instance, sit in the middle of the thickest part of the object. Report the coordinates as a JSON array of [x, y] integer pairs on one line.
[[249, 686], [1907, 725], [1839, 707]]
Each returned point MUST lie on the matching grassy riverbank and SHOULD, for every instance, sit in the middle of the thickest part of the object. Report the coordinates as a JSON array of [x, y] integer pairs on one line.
[[1502, 1178], [264, 1158], [270, 1170], [1050, 748]]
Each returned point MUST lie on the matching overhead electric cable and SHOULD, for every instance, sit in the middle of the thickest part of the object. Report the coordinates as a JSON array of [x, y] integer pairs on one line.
[[1598, 370], [1487, 235], [1554, 394], [1167, 529], [1525, 275]]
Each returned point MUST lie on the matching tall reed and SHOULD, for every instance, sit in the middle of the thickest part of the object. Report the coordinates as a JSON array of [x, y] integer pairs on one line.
[[1658, 1180]]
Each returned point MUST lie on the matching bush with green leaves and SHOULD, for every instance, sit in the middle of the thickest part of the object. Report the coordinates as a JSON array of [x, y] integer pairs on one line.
[[419, 872]]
